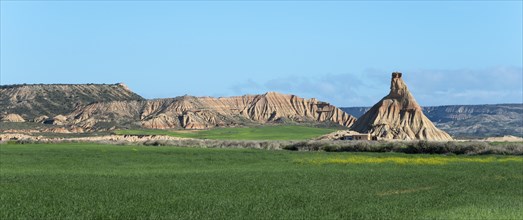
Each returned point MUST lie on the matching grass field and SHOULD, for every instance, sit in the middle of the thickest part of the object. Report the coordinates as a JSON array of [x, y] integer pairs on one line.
[[283, 132], [89, 181]]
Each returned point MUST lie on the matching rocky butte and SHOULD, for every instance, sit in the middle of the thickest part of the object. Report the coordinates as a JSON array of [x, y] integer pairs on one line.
[[398, 116]]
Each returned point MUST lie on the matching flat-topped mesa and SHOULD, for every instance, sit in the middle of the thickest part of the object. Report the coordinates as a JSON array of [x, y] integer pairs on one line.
[[398, 116]]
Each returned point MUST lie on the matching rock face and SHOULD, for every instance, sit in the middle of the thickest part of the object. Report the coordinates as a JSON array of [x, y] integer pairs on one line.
[[398, 116], [206, 112], [12, 118], [31, 101]]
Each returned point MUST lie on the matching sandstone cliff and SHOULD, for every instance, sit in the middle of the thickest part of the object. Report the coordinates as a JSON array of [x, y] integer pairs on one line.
[[35, 102], [206, 112], [398, 116]]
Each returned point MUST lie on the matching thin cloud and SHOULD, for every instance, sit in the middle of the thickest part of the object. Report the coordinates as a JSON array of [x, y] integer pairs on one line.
[[467, 86], [334, 88], [430, 87]]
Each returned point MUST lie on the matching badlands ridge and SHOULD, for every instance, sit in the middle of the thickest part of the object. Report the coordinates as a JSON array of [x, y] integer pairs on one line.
[[83, 108]]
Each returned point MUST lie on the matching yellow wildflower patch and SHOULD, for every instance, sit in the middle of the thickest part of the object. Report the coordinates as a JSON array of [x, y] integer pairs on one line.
[[407, 160], [404, 191]]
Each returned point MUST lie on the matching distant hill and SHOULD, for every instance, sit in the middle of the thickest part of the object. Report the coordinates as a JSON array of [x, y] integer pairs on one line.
[[31, 101], [355, 111], [470, 120]]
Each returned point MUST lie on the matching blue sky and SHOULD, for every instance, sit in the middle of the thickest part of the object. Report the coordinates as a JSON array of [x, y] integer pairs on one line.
[[340, 52]]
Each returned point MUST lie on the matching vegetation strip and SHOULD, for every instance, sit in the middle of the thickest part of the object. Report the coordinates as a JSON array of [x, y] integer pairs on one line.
[[409, 161], [281, 132]]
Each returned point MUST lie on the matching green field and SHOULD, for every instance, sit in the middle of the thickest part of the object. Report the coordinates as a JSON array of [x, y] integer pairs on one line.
[[89, 181], [284, 132]]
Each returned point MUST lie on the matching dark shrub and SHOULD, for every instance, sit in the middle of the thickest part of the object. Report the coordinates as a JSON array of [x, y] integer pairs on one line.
[[25, 141], [294, 147], [363, 146], [330, 148]]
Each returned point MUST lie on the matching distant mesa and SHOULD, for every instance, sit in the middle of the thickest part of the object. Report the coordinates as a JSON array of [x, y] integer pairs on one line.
[[398, 116], [34, 100]]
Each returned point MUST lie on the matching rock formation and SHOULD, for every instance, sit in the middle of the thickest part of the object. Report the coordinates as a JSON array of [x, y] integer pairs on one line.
[[40, 119], [398, 116], [470, 121], [58, 120], [12, 118], [206, 112]]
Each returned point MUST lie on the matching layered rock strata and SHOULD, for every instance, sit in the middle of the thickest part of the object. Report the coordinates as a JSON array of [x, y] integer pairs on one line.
[[206, 112], [398, 116]]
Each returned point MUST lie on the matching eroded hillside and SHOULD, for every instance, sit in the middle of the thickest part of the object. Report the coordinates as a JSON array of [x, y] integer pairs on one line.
[[206, 112], [48, 100]]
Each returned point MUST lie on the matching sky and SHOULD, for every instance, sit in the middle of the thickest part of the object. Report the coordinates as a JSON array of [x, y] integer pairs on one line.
[[342, 52]]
